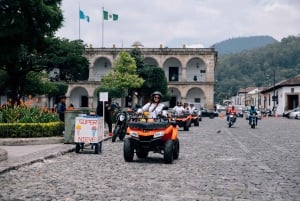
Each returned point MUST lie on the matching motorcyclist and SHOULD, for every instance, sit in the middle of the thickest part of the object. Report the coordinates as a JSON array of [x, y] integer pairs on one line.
[[231, 110], [154, 107], [252, 111]]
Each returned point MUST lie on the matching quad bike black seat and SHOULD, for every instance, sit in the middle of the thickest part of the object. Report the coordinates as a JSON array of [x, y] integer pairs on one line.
[[182, 116], [149, 126]]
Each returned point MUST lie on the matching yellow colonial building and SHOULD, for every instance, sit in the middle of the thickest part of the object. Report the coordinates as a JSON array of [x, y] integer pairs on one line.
[[190, 73]]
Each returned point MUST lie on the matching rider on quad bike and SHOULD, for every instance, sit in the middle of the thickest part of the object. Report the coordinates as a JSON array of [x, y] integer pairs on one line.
[[153, 132], [154, 107]]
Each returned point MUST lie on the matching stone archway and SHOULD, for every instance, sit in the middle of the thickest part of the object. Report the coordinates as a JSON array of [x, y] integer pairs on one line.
[[79, 97], [173, 69], [101, 67], [196, 70], [175, 96], [196, 96], [150, 61]]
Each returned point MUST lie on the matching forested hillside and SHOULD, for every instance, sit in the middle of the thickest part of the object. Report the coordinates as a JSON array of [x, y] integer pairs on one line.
[[256, 67], [236, 45]]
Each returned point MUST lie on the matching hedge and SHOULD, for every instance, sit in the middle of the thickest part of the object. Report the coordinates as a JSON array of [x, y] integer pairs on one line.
[[27, 130]]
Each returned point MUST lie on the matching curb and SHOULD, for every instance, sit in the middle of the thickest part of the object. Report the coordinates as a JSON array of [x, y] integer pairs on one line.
[[30, 141], [58, 150]]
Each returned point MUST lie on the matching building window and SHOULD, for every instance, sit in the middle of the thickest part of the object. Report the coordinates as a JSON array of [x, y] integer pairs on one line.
[[197, 100], [292, 90], [173, 74]]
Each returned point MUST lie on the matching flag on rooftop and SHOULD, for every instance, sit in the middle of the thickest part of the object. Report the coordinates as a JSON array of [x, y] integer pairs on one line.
[[82, 16], [110, 16]]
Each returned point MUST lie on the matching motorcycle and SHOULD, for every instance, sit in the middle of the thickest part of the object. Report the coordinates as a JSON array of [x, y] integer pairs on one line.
[[231, 119], [121, 125], [252, 120]]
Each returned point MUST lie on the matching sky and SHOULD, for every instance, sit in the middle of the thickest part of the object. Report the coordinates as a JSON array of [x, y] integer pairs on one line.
[[173, 23]]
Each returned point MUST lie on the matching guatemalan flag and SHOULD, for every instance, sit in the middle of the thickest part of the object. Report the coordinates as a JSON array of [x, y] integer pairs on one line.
[[82, 16]]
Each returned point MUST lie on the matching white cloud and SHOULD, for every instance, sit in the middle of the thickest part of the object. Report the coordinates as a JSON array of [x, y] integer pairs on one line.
[[179, 22]]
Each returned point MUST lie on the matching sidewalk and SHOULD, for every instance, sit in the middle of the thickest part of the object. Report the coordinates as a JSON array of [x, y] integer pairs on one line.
[[18, 152]]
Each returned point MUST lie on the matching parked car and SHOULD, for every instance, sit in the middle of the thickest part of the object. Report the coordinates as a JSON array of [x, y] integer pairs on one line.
[[266, 112], [286, 113], [294, 114], [240, 110], [208, 113], [297, 116]]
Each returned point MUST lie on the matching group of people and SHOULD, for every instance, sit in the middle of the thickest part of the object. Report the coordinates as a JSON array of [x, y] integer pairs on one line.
[[232, 110], [154, 107], [180, 109]]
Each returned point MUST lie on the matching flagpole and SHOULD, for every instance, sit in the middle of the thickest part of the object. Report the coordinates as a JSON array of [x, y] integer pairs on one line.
[[102, 26], [79, 19]]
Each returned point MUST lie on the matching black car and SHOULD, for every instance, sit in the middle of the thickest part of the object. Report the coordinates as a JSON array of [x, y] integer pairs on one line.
[[208, 113]]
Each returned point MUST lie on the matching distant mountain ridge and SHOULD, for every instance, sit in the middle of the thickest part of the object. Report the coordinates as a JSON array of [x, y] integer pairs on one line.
[[236, 45]]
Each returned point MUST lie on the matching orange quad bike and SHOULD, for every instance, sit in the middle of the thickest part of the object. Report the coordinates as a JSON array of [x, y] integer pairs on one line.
[[157, 135], [184, 120], [195, 118]]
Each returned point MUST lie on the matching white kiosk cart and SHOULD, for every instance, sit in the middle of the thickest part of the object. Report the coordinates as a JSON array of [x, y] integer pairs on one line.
[[89, 129]]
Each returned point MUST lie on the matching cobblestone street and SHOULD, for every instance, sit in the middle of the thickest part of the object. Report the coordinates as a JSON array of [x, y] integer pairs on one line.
[[215, 163]]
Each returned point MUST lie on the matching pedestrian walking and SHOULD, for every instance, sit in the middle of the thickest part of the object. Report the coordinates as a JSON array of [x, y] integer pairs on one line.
[[107, 113], [61, 108]]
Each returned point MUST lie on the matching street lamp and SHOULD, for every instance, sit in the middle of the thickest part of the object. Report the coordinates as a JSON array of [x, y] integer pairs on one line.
[[274, 97]]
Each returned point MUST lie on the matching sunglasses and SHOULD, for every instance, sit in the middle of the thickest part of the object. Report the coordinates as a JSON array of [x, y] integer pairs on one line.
[[157, 97]]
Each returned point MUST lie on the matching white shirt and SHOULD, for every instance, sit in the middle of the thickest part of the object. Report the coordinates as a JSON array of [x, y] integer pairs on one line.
[[153, 110], [192, 109], [178, 110]]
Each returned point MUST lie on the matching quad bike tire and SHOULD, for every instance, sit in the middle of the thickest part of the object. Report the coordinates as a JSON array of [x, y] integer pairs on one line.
[[122, 136], [141, 153], [77, 147], [229, 124], [128, 150], [97, 148], [186, 126], [168, 152], [116, 132], [196, 122], [176, 149]]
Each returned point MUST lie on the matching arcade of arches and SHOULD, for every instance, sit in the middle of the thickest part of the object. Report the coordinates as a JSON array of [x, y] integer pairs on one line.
[[190, 74]]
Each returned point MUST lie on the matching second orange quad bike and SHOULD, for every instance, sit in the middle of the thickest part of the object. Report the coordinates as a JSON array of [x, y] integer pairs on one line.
[[183, 120], [143, 136]]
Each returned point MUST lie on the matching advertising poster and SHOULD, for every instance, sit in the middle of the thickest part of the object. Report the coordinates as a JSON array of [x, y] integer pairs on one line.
[[89, 129]]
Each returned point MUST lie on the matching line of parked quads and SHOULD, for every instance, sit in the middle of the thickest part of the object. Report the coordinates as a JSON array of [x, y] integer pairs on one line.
[[142, 135]]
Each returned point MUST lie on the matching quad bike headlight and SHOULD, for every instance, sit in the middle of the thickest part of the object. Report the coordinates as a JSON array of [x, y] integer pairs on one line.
[[159, 134], [133, 134]]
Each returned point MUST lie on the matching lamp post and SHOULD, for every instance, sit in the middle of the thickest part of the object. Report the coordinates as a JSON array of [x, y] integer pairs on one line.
[[245, 95], [274, 98]]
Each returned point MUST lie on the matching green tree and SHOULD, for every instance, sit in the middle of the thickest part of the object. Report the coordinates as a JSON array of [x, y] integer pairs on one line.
[[155, 79], [37, 84], [25, 26], [67, 57], [123, 76]]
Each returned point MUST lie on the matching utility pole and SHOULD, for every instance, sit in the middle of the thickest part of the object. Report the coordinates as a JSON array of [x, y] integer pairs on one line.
[[274, 98]]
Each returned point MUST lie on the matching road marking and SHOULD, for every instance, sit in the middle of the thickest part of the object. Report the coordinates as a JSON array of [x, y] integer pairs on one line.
[[241, 145]]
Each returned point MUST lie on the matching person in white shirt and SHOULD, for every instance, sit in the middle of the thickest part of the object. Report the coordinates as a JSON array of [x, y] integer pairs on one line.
[[178, 109], [154, 107], [192, 108]]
